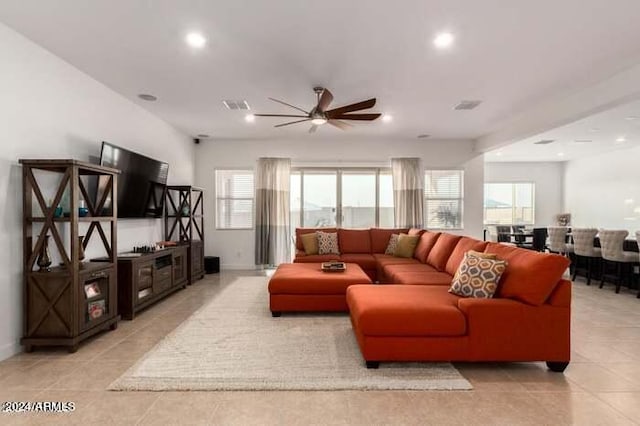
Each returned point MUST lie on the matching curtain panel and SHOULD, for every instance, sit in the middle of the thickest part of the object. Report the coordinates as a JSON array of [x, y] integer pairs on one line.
[[272, 237], [408, 192]]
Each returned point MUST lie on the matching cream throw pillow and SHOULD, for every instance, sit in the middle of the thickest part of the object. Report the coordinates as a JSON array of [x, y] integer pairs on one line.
[[310, 243], [406, 245], [477, 276], [328, 242]]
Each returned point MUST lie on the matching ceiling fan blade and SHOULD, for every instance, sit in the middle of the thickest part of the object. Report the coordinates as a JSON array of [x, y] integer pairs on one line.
[[340, 124], [279, 115], [291, 122], [365, 117], [369, 103], [313, 128], [325, 100], [289, 105]]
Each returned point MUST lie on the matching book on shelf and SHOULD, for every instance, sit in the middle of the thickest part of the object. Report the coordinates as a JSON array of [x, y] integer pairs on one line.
[[96, 309]]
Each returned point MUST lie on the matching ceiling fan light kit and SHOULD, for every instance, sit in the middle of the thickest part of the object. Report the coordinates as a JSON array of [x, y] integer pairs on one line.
[[319, 114]]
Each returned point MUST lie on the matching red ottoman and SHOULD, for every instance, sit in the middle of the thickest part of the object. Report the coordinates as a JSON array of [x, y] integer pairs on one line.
[[304, 287]]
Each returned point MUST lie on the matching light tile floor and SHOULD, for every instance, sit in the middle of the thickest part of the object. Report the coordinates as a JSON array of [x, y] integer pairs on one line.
[[601, 386]]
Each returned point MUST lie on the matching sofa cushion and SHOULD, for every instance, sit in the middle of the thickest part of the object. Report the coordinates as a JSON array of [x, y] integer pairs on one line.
[[354, 240], [316, 258], [310, 243], [530, 276], [300, 231], [390, 271], [422, 278], [427, 240], [328, 243], [406, 245], [380, 238], [457, 255], [366, 261], [442, 249], [477, 276], [393, 244], [385, 259], [402, 310]]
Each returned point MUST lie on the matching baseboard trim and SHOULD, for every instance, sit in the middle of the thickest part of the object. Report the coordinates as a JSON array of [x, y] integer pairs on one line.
[[237, 266], [9, 350]]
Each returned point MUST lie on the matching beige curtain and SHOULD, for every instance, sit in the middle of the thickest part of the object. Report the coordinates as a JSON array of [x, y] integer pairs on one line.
[[408, 192], [272, 211]]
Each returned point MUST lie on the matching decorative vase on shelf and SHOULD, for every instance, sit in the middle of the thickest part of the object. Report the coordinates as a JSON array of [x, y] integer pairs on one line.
[[185, 211], [44, 259], [80, 250], [83, 210]]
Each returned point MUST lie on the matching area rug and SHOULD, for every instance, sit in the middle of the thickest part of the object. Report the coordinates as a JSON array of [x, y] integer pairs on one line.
[[233, 343]]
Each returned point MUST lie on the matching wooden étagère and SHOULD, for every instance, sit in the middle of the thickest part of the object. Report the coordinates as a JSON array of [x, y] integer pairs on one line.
[[184, 224], [67, 303]]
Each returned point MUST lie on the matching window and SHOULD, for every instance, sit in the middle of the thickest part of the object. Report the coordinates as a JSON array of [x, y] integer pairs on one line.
[[509, 203], [234, 199], [349, 198], [443, 198]]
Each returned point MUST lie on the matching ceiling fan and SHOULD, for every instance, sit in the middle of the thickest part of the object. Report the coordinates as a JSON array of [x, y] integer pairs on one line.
[[319, 115]]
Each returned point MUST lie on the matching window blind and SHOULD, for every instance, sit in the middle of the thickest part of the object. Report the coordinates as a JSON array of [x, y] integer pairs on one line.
[[444, 197], [234, 199]]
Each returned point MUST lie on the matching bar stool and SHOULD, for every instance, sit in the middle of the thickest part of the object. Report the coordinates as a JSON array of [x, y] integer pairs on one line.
[[612, 242], [583, 248], [558, 240]]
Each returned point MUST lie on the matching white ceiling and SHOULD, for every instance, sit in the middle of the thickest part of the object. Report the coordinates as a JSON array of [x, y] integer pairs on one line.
[[595, 134], [511, 54]]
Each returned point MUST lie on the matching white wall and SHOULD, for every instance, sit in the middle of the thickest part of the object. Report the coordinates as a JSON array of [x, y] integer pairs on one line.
[[548, 178], [604, 191], [49, 109], [236, 248]]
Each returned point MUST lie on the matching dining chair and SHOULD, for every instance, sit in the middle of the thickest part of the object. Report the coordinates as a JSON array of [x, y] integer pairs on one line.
[[585, 250], [638, 243], [504, 233], [492, 233], [613, 254], [539, 239]]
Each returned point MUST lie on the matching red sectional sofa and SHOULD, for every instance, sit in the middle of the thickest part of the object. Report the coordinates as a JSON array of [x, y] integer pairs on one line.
[[413, 317]]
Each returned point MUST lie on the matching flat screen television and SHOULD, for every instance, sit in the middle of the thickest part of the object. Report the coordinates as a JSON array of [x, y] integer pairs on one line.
[[141, 183]]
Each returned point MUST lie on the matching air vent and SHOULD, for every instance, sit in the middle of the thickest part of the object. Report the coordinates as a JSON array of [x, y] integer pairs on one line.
[[544, 142], [423, 136], [467, 105], [236, 105], [580, 141]]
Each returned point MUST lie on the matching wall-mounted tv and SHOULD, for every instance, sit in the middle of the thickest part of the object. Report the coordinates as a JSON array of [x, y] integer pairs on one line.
[[141, 183]]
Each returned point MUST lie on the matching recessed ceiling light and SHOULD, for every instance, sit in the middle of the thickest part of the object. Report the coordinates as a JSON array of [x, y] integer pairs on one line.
[[387, 118], [196, 40], [631, 118], [443, 40], [249, 118], [621, 139], [498, 154], [147, 97], [561, 154]]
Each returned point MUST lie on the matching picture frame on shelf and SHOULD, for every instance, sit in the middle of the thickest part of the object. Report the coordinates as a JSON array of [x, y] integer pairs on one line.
[[96, 309], [92, 290]]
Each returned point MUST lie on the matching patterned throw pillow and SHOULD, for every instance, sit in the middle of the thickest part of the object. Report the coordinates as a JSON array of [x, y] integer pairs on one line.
[[477, 276], [406, 245], [393, 243], [327, 242], [310, 243]]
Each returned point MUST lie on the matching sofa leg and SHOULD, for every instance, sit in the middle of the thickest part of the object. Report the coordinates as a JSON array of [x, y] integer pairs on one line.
[[557, 367], [276, 314], [373, 364]]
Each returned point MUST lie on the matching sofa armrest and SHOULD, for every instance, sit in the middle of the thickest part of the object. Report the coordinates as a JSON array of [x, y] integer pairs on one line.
[[511, 330]]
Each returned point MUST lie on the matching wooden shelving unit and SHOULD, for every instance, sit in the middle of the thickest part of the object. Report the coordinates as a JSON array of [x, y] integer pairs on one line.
[[65, 304], [184, 223]]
